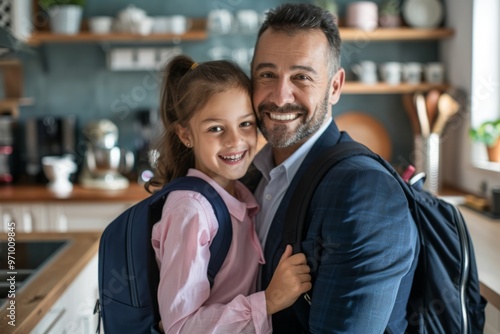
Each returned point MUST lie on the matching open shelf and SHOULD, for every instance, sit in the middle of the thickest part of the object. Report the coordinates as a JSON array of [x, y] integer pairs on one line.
[[10, 106], [199, 33], [395, 34], [352, 87], [48, 37]]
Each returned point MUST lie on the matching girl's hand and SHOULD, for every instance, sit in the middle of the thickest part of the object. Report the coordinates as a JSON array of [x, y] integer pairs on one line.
[[290, 279]]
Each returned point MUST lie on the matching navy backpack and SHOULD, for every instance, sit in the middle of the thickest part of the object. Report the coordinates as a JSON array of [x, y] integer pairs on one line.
[[445, 296], [128, 272]]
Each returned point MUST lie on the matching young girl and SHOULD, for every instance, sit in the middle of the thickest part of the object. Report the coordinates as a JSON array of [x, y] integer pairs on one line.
[[210, 132]]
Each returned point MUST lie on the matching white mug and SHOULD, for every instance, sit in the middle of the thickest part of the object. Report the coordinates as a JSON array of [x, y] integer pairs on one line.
[[220, 21], [391, 72], [412, 72], [179, 24], [248, 21], [366, 71], [362, 15], [434, 73]]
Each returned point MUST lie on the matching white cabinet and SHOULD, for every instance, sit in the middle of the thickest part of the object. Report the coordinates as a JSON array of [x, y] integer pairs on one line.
[[73, 311], [60, 217], [28, 217], [86, 216]]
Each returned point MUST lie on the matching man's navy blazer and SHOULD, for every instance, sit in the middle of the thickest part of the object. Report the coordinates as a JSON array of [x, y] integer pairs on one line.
[[361, 245]]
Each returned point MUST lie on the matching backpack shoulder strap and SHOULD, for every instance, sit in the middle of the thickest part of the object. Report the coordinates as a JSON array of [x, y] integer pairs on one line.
[[295, 225], [222, 240]]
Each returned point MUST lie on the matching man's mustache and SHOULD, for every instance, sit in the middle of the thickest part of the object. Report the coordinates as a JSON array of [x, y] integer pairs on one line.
[[287, 108]]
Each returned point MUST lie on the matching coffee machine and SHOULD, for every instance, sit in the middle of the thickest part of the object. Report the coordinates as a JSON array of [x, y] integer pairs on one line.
[[6, 149], [104, 161], [47, 136]]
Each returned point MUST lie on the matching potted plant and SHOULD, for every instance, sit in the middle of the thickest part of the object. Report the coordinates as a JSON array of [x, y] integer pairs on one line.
[[488, 133], [65, 15]]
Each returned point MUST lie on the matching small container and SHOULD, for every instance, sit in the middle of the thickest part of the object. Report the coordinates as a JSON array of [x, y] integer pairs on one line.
[[100, 24], [362, 15], [434, 73], [426, 159], [495, 201]]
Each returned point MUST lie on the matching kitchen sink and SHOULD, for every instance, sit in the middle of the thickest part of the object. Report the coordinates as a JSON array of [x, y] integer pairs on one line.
[[29, 258]]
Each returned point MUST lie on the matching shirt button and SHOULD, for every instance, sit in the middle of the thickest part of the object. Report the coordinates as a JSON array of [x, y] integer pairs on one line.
[[268, 197]]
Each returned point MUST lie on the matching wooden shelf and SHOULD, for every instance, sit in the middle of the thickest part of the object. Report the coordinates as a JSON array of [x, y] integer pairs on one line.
[[382, 88], [10, 106], [394, 34], [23, 101], [199, 33], [48, 37]]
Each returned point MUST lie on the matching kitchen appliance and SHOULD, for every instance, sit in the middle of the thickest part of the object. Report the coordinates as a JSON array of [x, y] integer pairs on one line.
[[104, 160], [58, 170], [6, 149], [31, 257], [48, 136], [148, 127]]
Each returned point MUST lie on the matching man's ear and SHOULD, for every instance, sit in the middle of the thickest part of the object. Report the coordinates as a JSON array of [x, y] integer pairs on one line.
[[184, 135], [337, 84]]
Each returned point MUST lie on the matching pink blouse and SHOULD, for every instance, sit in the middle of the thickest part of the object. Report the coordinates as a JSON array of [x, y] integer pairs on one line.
[[181, 241]]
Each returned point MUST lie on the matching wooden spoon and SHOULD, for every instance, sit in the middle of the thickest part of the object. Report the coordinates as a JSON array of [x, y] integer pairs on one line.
[[422, 114], [409, 107], [431, 102], [447, 107]]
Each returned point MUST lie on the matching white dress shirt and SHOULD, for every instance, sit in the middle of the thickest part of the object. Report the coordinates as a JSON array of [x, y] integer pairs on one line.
[[275, 181]]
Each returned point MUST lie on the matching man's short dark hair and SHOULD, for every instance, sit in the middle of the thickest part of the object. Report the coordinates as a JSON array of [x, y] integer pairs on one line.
[[292, 18]]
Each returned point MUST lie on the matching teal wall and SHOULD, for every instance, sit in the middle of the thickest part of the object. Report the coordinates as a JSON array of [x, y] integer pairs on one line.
[[73, 78]]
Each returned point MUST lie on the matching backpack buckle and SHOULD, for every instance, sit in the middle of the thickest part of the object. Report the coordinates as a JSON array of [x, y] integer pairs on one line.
[[97, 309], [307, 298]]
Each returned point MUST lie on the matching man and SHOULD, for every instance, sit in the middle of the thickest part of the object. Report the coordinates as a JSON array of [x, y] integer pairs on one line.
[[362, 242]]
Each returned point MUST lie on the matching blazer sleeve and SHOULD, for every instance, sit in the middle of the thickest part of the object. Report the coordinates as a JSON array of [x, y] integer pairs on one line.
[[364, 244]]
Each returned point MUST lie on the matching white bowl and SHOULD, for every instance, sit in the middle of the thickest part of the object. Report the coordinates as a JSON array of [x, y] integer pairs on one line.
[[100, 24]]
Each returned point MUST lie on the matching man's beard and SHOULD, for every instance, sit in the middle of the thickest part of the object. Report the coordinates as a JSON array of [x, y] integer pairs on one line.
[[280, 136]]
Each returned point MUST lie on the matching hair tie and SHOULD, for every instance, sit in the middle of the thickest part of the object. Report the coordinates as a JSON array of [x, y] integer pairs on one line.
[[194, 66]]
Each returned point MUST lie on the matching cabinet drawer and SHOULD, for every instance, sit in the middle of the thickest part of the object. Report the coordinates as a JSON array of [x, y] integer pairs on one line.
[[87, 216]]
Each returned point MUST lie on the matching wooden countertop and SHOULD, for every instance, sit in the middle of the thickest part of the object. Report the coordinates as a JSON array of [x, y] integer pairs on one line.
[[35, 299], [485, 235], [40, 193], [134, 193]]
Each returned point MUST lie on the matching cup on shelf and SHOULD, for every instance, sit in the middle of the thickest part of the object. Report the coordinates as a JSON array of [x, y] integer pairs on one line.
[[161, 24], [100, 24], [179, 24], [248, 21], [412, 72], [220, 21], [390, 72], [434, 72], [144, 26], [362, 15], [366, 71]]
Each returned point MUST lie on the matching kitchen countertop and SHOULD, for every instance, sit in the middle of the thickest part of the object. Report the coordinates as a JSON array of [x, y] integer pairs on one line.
[[134, 193], [40, 193], [485, 235], [35, 299]]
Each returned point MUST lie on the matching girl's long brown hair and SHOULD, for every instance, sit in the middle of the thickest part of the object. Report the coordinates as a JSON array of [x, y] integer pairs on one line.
[[187, 87]]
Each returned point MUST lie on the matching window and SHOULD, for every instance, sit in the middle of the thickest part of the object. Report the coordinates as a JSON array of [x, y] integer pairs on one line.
[[485, 89]]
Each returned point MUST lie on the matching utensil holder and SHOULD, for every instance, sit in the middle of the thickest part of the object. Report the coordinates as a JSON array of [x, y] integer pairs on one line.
[[426, 159]]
